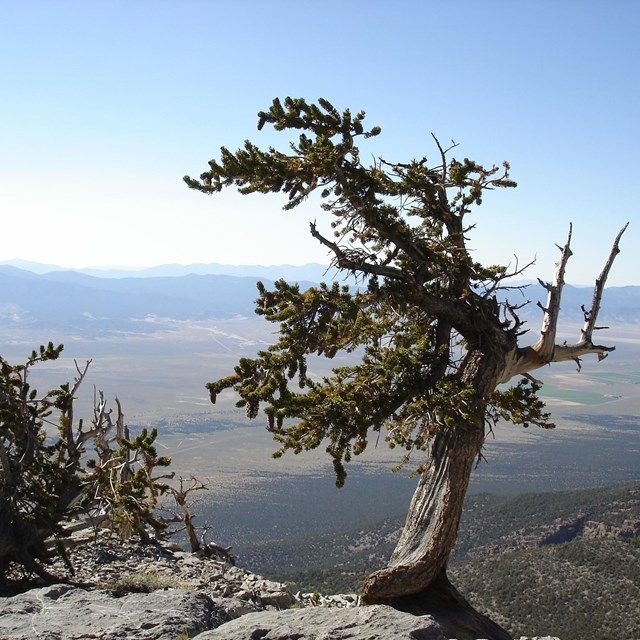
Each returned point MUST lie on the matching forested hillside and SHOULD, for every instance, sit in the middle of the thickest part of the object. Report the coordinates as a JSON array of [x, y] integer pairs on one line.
[[586, 588], [564, 564]]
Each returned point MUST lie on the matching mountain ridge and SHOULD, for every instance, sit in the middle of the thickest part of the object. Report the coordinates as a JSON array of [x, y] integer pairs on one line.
[[78, 301], [311, 271]]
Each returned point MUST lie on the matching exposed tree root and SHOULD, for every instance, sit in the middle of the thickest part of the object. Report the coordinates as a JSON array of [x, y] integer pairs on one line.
[[456, 617]]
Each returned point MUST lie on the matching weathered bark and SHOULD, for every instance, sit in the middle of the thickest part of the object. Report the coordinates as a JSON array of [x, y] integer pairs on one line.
[[431, 526], [415, 578]]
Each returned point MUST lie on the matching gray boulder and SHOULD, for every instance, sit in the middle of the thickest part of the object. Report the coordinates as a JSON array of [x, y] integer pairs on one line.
[[377, 622], [63, 612]]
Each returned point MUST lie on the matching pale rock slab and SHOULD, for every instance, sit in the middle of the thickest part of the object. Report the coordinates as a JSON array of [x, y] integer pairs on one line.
[[376, 622], [63, 612]]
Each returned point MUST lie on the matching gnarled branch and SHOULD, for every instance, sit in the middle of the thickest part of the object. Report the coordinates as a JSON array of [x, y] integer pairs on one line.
[[545, 350], [591, 316], [545, 346]]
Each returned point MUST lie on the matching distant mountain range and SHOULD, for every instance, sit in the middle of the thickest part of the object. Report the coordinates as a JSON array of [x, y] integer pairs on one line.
[[44, 296], [312, 272], [92, 306]]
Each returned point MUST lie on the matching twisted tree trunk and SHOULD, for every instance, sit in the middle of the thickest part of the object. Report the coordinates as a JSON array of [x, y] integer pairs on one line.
[[415, 579]]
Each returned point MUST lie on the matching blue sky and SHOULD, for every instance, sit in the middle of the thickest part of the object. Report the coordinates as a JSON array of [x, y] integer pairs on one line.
[[106, 105]]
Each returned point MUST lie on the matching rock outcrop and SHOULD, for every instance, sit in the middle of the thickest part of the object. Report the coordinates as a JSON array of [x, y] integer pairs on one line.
[[147, 592], [376, 622], [629, 530], [64, 612]]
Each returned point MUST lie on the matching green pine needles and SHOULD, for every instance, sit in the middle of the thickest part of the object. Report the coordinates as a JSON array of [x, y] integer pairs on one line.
[[422, 299], [54, 468]]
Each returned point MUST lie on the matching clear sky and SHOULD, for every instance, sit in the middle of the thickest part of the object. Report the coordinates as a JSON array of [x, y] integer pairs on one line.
[[105, 105]]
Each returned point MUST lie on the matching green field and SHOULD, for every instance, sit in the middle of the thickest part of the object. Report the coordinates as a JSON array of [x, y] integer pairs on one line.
[[575, 396]]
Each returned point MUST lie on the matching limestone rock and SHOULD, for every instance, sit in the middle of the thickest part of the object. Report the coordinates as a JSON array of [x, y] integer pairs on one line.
[[629, 530], [376, 622], [270, 593], [64, 612], [321, 600], [148, 592], [109, 564]]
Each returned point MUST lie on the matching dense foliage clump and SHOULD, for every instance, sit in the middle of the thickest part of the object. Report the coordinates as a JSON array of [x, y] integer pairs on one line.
[[54, 468]]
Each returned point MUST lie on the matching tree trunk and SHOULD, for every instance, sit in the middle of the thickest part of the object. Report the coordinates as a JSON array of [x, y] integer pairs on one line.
[[415, 578], [431, 526]]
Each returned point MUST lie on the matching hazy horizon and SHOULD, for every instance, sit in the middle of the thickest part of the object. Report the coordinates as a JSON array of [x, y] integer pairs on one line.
[[109, 105], [41, 268]]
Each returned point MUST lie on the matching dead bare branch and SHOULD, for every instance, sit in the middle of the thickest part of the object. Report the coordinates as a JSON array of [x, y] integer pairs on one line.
[[545, 346], [590, 317], [545, 350]]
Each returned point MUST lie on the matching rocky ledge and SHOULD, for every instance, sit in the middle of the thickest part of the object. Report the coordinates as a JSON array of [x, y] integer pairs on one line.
[[149, 592]]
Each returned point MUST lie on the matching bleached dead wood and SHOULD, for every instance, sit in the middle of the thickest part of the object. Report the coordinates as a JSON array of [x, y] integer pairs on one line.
[[523, 360]]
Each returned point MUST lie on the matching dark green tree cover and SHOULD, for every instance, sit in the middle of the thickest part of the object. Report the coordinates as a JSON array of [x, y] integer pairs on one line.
[[576, 590], [436, 343], [54, 468]]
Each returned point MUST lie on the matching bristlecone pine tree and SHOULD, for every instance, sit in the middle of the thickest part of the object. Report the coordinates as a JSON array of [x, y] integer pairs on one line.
[[47, 478], [437, 345]]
